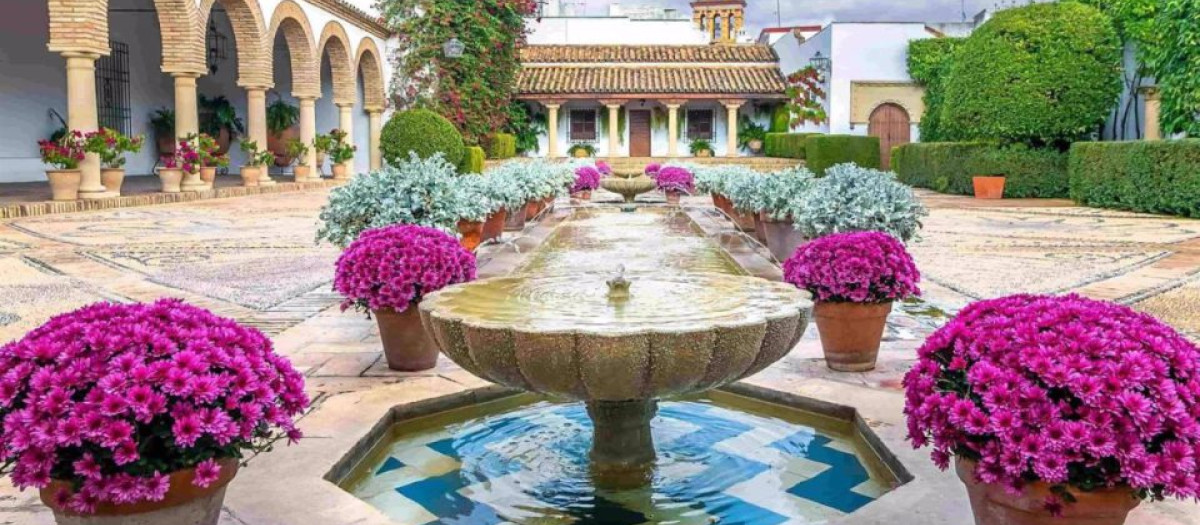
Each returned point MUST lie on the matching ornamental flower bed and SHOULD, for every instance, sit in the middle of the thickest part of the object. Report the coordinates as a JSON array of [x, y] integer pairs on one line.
[[587, 179], [854, 278], [112, 399], [1060, 398], [387, 271]]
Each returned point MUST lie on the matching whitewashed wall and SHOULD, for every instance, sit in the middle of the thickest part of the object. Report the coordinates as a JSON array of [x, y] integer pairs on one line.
[[614, 30]]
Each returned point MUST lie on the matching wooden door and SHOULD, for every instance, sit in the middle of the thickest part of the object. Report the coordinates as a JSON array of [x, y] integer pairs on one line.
[[890, 123], [639, 134]]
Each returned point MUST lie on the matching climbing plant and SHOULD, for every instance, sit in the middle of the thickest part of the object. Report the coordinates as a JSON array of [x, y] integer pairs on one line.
[[806, 97], [472, 91], [929, 62]]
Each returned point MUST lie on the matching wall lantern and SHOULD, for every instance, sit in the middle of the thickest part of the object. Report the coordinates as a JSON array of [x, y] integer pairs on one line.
[[820, 63], [218, 46], [453, 48]]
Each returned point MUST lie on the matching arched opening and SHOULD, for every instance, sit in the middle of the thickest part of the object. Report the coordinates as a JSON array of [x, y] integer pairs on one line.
[[369, 72], [338, 86], [295, 74], [890, 122]]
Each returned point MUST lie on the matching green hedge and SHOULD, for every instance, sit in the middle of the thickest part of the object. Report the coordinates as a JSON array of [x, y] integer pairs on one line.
[[501, 146], [1161, 176], [949, 167], [825, 151], [473, 160], [781, 119], [786, 145], [421, 131]]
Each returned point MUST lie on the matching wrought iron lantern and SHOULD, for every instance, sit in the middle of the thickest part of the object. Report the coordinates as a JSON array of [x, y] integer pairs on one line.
[[820, 63], [453, 48], [218, 46]]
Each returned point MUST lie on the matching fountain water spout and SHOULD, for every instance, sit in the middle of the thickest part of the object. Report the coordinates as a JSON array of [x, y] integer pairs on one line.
[[618, 286]]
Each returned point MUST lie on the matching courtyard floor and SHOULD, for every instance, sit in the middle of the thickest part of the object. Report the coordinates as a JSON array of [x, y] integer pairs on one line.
[[254, 259]]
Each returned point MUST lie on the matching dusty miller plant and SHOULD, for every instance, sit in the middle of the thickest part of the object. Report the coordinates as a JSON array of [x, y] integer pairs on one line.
[[851, 198]]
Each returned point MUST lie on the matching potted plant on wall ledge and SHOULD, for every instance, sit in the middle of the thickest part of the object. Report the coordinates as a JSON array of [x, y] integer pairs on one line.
[[219, 119], [421, 261], [185, 163], [211, 159], [701, 148], [256, 162], [1058, 409], [341, 153], [854, 278], [281, 128], [112, 146], [143, 432], [299, 151], [64, 155], [582, 150]]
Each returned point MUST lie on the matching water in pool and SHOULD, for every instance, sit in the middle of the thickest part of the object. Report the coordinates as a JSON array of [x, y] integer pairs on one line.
[[721, 459]]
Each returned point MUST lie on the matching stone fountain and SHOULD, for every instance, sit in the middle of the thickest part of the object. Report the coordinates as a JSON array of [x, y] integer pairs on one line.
[[628, 185], [618, 343]]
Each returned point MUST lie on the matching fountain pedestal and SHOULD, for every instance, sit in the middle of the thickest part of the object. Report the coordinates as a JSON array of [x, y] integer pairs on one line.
[[622, 443]]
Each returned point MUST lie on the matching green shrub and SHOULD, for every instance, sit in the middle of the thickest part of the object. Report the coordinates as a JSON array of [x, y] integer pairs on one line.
[[781, 119], [501, 146], [424, 132], [472, 161], [1043, 74], [929, 63], [786, 145], [825, 151], [949, 167], [1144, 176]]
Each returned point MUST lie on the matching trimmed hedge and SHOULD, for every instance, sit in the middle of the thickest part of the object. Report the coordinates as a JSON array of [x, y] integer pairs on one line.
[[1161, 176], [421, 131], [781, 119], [473, 161], [949, 167], [500, 146], [825, 151], [786, 145]]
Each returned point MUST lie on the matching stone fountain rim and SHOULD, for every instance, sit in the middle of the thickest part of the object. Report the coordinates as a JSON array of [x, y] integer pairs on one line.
[[803, 304]]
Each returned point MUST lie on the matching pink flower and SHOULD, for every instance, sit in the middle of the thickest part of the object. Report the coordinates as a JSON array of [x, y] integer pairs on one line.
[[676, 180], [207, 473], [862, 267], [393, 267]]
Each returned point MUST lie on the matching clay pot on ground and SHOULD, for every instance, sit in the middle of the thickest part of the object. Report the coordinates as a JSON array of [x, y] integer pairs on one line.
[[782, 237], [759, 232], [850, 333], [515, 221], [277, 144], [493, 227], [112, 179], [339, 171], [472, 234], [251, 175], [742, 219], [171, 179], [64, 184], [993, 505], [755, 146], [184, 503], [302, 173], [673, 198], [406, 345], [208, 175], [192, 182], [532, 209], [989, 187]]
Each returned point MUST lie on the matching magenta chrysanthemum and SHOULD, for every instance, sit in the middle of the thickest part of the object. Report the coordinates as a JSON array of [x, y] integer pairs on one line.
[[675, 179], [861, 267], [587, 178], [603, 168], [84, 399], [393, 267], [652, 169], [1066, 390]]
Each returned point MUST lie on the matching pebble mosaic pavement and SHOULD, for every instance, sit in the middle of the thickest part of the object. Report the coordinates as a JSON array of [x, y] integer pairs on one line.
[[254, 259]]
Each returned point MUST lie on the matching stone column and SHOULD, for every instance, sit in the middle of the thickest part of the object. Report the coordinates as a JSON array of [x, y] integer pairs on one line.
[[614, 128], [552, 130], [82, 115], [308, 129], [187, 112], [346, 123], [256, 115], [732, 106], [375, 119], [726, 30], [1153, 128], [673, 127]]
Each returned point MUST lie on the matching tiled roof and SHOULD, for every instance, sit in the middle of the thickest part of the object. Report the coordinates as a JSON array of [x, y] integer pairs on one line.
[[648, 54], [580, 80]]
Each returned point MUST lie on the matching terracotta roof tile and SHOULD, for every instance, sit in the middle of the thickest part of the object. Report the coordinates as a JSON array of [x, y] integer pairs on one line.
[[569, 80], [642, 54]]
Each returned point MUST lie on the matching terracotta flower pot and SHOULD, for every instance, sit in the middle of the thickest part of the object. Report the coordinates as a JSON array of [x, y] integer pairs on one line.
[[704, 153], [277, 144], [989, 187], [850, 333], [171, 179], [472, 234], [993, 505], [112, 179], [782, 237], [406, 345], [251, 175], [64, 184], [184, 504], [743, 220], [340, 172], [548, 203], [673, 198], [582, 195], [302, 173], [515, 222], [192, 182], [755, 145], [532, 209], [208, 175], [759, 233], [580, 154], [493, 228]]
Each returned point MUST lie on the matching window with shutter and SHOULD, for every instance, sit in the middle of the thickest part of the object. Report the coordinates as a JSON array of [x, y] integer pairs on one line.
[[583, 125], [700, 124]]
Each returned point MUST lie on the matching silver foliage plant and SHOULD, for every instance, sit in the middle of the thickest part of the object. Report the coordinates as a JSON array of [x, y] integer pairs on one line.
[[852, 198]]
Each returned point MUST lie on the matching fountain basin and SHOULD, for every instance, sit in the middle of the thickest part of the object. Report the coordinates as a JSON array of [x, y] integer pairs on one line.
[[628, 187], [562, 335]]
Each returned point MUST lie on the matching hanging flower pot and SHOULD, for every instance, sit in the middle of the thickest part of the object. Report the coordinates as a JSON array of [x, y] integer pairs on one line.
[[171, 179], [989, 187], [854, 278], [112, 179], [781, 236], [472, 234], [64, 184], [493, 227], [184, 502]]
